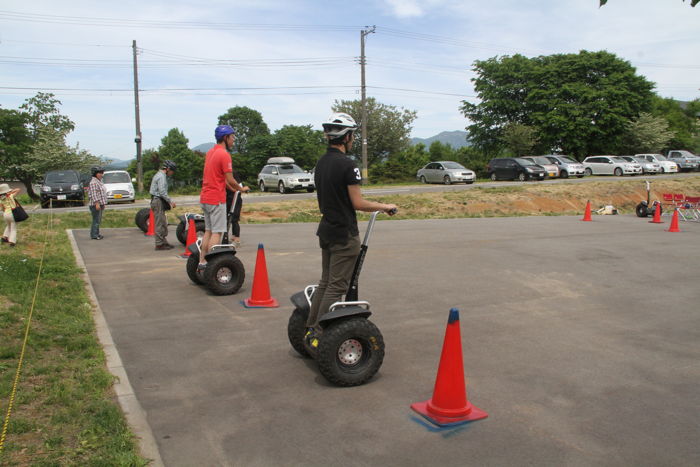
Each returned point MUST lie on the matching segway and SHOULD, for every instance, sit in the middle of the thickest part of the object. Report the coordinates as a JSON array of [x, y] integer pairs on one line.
[[181, 230], [647, 208], [349, 349], [224, 273]]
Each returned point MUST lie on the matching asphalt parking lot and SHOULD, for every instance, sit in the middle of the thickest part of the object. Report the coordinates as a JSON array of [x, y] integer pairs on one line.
[[581, 340]]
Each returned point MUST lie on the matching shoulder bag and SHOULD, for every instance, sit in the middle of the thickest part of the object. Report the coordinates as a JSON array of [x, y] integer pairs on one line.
[[19, 213]]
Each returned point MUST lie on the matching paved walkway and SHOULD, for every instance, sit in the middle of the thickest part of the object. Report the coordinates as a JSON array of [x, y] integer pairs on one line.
[[581, 340]]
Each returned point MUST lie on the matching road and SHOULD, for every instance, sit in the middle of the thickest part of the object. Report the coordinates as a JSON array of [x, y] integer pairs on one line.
[[258, 197]]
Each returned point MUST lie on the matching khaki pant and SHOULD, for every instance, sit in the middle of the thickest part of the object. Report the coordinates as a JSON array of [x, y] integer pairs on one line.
[[160, 229], [10, 228], [337, 262]]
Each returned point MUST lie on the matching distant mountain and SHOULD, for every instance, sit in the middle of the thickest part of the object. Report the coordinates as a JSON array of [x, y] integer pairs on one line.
[[118, 164], [204, 147], [456, 139]]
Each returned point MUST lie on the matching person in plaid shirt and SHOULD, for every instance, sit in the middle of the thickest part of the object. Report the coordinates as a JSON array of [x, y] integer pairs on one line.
[[97, 195]]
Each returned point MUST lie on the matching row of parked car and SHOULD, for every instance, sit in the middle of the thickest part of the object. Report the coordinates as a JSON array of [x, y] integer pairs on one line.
[[560, 166], [69, 186]]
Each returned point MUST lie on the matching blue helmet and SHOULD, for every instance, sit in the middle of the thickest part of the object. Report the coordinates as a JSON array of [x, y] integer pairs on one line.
[[223, 130]]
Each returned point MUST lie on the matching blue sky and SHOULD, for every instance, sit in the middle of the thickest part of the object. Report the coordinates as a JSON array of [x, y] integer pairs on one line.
[[291, 60]]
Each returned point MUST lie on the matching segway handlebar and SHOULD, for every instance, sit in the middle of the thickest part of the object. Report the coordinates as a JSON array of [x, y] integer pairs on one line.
[[370, 225]]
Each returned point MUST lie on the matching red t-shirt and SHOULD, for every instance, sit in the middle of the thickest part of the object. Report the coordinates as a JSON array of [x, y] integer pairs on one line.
[[216, 164]]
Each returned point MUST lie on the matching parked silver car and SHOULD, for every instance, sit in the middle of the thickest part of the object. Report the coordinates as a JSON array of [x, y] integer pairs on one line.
[[685, 160], [446, 172], [551, 169], [283, 174], [666, 165], [610, 165], [567, 165], [647, 167]]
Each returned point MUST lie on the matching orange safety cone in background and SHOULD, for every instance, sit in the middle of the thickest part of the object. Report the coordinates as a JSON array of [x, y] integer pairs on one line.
[[151, 224], [191, 237], [657, 215], [449, 405], [587, 214], [261, 287], [674, 222]]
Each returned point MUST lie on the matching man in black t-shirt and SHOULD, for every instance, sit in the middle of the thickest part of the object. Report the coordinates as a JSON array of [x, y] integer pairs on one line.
[[337, 180]]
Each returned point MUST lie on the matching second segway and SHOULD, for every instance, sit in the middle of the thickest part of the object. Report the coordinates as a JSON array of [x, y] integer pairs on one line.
[[350, 348]]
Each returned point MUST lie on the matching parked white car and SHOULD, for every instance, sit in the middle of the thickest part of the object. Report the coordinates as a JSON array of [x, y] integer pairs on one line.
[[568, 167], [283, 174], [446, 172], [610, 165], [119, 187], [666, 165], [647, 167]]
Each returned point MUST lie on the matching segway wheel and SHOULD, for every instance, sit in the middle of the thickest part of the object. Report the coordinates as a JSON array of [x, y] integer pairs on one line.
[[141, 219], [224, 274], [641, 210], [181, 231], [296, 330], [192, 262], [350, 351]]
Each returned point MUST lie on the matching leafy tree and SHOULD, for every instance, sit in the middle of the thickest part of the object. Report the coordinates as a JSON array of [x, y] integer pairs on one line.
[[647, 134], [519, 138], [579, 103], [247, 122], [441, 152], [175, 146], [42, 110], [388, 128], [302, 143], [682, 121]]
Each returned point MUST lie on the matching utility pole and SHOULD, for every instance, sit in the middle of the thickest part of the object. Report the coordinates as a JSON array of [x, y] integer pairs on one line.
[[363, 120], [137, 140]]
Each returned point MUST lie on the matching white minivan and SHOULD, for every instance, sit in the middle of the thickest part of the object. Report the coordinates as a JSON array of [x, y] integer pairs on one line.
[[119, 187]]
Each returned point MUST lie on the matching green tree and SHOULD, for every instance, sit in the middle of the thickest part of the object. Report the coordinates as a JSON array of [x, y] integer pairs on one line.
[[247, 122], [519, 138], [43, 110], [15, 143], [175, 147], [579, 103], [647, 134], [441, 152], [301, 142], [388, 128], [683, 120]]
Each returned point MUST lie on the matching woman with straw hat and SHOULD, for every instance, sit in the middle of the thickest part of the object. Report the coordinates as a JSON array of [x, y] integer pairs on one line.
[[7, 204]]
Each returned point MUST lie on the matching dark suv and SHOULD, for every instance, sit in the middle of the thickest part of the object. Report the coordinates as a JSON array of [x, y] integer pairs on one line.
[[511, 168], [62, 185]]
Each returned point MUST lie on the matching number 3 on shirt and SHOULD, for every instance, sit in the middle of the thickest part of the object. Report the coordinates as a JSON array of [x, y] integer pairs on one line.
[[357, 174]]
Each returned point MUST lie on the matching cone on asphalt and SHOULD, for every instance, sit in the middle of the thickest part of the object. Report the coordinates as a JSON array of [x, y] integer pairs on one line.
[[449, 405], [260, 297], [191, 237], [151, 224], [657, 214], [587, 214], [674, 222]]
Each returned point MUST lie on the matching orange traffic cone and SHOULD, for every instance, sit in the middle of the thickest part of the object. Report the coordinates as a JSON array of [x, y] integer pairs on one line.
[[587, 214], [449, 405], [674, 222], [261, 287], [191, 237], [657, 214], [151, 224]]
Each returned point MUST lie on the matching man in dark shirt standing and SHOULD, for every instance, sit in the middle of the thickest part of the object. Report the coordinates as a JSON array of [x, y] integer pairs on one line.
[[337, 180]]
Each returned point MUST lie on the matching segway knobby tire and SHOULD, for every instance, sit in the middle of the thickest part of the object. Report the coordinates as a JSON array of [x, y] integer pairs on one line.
[[350, 351], [224, 274], [192, 262], [141, 219], [181, 230], [296, 330]]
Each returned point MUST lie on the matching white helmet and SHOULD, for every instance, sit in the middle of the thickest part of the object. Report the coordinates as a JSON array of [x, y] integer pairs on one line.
[[338, 124]]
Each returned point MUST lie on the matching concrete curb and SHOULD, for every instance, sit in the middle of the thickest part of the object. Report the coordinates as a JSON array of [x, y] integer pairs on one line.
[[135, 415]]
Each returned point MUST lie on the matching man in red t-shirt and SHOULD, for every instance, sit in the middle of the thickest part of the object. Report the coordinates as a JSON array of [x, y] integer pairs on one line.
[[217, 177]]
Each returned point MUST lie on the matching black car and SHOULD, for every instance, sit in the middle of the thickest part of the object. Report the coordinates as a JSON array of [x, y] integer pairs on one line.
[[512, 168], [64, 186]]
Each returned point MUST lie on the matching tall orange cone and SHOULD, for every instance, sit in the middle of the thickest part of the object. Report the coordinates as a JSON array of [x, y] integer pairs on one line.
[[151, 224], [261, 286], [657, 214], [191, 237], [449, 405], [587, 214], [674, 222]]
